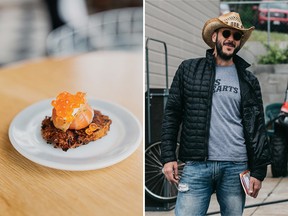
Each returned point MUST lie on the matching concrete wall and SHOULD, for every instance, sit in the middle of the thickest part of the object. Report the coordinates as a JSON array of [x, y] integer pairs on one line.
[[179, 24], [273, 78], [273, 81]]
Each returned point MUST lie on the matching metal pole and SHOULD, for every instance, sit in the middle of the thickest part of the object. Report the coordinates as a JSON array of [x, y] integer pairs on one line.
[[268, 26], [166, 73], [148, 93], [148, 82]]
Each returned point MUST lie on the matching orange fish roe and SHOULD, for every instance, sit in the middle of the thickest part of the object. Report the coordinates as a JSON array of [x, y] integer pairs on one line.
[[65, 104]]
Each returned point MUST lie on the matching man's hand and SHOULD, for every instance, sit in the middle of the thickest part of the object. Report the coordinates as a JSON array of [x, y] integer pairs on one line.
[[254, 187], [170, 171]]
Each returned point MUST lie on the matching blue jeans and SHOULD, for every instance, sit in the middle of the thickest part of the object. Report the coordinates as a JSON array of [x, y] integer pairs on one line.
[[201, 178]]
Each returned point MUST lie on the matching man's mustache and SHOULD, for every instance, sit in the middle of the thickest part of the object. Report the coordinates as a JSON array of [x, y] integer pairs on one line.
[[229, 44]]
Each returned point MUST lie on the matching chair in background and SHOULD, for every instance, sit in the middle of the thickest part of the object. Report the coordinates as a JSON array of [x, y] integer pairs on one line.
[[113, 29], [271, 112]]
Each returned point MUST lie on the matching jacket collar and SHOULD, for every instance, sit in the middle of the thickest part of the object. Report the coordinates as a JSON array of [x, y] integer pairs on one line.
[[239, 62]]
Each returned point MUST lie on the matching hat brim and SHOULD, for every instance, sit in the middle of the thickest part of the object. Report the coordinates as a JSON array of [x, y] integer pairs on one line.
[[212, 25]]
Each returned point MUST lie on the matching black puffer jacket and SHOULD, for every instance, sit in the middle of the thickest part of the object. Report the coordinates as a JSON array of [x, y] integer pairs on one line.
[[189, 104]]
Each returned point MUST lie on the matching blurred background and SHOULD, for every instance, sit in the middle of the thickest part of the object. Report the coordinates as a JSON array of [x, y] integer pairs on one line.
[[36, 28]]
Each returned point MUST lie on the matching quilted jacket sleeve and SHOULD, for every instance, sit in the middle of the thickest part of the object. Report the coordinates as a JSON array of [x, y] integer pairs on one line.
[[262, 155], [172, 118]]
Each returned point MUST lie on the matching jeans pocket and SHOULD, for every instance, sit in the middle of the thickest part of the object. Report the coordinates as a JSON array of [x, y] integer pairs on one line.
[[190, 163]]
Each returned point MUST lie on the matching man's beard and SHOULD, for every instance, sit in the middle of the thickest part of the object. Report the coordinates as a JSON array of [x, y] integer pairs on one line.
[[221, 54]]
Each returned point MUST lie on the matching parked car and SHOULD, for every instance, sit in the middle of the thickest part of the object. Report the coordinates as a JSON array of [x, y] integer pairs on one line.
[[278, 15]]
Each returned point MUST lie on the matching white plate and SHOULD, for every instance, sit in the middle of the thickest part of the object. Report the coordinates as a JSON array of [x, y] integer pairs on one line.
[[121, 141]]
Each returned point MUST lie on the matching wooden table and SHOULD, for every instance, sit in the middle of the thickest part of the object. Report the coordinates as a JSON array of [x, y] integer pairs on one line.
[[27, 188]]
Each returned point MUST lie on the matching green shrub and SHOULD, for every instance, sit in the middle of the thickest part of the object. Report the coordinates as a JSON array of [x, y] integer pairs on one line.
[[275, 55]]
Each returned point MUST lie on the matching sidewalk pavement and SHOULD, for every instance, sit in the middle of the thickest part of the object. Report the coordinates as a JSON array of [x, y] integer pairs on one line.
[[273, 190]]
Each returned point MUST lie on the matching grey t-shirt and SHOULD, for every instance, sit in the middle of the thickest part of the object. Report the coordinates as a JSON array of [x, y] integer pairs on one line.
[[226, 141]]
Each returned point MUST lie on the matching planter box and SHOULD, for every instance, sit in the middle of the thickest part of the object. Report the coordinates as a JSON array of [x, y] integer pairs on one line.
[[270, 68], [273, 81], [281, 68]]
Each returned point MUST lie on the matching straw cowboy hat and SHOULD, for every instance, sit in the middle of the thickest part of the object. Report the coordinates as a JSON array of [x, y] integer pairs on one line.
[[229, 20]]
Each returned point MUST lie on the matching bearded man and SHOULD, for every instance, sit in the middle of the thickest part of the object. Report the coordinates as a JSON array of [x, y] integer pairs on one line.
[[219, 104]]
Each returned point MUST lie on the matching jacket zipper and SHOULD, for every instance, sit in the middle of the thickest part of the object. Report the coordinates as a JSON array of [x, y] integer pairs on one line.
[[209, 109]]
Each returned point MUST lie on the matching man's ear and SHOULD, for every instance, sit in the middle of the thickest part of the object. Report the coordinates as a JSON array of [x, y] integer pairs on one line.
[[214, 37]]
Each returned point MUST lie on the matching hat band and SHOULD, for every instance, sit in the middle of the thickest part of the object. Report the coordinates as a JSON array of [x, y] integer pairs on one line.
[[235, 24]]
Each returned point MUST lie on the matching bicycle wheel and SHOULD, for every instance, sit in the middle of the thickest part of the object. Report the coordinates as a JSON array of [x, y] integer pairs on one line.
[[156, 185]]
